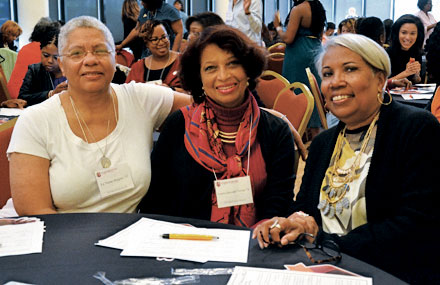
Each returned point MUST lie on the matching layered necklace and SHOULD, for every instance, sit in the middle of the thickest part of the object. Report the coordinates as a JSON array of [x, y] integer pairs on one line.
[[163, 69], [227, 137], [105, 161], [333, 193]]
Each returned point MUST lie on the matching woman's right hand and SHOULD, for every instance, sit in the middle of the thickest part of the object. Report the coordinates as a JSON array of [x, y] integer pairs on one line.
[[412, 67], [283, 231], [60, 87]]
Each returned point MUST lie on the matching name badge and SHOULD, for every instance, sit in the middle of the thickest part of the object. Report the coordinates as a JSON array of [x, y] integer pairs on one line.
[[156, 82], [233, 192], [114, 180]]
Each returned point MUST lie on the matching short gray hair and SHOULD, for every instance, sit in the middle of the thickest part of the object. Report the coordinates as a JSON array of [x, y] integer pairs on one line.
[[371, 52], [83, 22]]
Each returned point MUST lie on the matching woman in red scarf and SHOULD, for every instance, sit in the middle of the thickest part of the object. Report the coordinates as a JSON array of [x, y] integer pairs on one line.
[[223, 158]]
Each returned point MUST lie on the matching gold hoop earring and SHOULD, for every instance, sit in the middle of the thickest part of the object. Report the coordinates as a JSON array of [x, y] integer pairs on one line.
[[379, 95]]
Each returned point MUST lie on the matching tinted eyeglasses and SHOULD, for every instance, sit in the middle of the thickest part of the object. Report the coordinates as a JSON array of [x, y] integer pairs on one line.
[[327, 251]]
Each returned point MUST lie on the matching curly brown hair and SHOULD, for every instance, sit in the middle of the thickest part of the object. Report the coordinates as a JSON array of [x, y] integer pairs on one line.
[[147, 29], [250, 56]]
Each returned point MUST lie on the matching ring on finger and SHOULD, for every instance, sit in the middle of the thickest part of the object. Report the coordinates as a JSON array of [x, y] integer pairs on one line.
[[275, 225]]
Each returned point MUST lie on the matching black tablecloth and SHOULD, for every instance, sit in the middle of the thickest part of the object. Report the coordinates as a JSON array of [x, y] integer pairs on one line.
[[420, 103], [70, 256]]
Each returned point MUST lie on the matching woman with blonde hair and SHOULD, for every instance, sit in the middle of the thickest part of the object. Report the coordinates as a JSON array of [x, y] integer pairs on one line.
[[9, 32]]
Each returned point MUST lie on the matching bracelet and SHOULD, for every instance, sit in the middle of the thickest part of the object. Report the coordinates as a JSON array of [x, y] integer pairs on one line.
[[247, 13]]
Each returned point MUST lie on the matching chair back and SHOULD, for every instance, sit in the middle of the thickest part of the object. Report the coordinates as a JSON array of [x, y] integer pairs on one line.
[[297, 108], [4, 92], [269, 85], [275, 62], [278, 47], [319, 99], [5, 137], [124, 58]]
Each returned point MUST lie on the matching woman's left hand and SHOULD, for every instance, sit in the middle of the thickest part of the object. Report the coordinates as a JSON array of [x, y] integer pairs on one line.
[[283, 231]]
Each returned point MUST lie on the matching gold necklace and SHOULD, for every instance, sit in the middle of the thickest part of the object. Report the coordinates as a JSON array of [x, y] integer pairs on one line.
[[105, 161], [227, 137], [334, 195]]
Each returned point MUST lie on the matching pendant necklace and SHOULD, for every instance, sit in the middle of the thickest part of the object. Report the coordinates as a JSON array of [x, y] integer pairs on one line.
[[334, 200], [105, 161], [163, 69]]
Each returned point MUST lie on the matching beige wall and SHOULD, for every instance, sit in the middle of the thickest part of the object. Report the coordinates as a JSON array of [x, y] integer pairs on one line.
[[30, 11], [221, 7]]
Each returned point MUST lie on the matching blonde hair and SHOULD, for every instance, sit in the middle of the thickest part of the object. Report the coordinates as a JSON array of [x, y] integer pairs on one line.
[[130, 9], [370, 51]]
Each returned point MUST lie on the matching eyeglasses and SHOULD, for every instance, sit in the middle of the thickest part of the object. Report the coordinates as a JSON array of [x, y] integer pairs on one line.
[[78, 55], [328, 249], [155, 41]]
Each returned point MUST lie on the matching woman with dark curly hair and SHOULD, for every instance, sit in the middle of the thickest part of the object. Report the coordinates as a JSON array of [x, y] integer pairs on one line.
[[223, 158], [163, 64], [405, 51]]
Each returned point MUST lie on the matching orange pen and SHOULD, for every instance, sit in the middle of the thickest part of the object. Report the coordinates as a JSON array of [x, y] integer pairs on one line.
[[189, 236]]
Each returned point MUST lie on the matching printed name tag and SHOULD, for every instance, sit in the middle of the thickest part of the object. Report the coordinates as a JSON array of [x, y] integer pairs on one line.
[[114, 180], [233, 192]]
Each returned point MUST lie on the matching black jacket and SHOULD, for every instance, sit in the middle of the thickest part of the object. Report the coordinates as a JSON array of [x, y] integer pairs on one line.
[[182, 187], [36, 84], [401, 193]]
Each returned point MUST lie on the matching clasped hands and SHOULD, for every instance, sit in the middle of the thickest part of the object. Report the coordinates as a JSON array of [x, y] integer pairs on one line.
[[284, 231], [413, 67]]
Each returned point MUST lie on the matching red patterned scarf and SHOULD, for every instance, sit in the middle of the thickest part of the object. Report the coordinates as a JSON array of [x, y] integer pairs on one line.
[[204, 145]]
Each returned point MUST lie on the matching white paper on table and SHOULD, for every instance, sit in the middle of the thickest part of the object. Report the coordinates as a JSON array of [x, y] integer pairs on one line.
[[11, 111], [20, 239], [416, 96], [144, 238], [122, 238], [263, 276]]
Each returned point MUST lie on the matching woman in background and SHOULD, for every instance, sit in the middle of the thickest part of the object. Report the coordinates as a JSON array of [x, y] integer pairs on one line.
[[29, 54], [223, 138], [163, 64], [44, 79], [302, 36], [197, 23], [426, 17], [347, 26], [9, 32], [130, 14], [405, 51]]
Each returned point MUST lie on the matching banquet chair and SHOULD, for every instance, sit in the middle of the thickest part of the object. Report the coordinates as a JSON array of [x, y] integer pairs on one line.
[[297, 108], [278, 47], [319, 99], [275, 62], [5, 136], [269, 85], [300, 149], [4, 92]]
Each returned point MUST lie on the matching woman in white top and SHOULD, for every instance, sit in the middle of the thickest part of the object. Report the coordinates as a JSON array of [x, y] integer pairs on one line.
[[426, 17], [87, 149]]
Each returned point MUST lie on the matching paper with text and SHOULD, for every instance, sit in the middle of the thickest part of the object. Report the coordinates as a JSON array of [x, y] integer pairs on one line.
[[263, 276]]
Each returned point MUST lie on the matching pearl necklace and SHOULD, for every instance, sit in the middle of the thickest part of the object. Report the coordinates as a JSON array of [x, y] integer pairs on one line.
[[334, 195]]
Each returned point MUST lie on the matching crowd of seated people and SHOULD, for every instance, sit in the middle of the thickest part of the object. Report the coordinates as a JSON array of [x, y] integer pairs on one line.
[[364, 187]]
